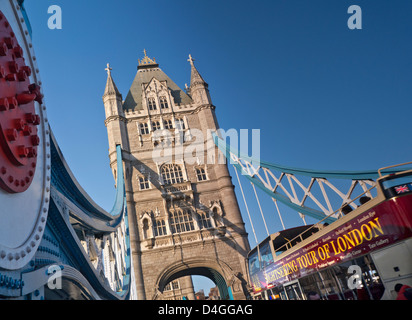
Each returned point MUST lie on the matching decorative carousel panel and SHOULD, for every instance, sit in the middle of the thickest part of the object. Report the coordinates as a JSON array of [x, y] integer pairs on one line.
[[24, 143]]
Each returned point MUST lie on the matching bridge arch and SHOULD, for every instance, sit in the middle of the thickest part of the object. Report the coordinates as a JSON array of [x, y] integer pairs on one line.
[[219, 272]]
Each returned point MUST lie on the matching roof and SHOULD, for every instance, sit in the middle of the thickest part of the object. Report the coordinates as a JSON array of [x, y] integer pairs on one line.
[[111, 87], [284, 236], [144, 75], [195, 77], [280, 238]]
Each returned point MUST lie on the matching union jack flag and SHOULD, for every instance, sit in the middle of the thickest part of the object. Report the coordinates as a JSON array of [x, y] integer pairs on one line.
[[401, 189]]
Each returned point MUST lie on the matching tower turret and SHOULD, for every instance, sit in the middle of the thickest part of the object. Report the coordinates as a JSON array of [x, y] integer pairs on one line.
[[115, 118], [112, 98], [198, 87], [178, 201]]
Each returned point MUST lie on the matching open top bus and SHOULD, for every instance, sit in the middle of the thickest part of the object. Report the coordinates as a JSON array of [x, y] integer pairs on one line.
[[361, 256]]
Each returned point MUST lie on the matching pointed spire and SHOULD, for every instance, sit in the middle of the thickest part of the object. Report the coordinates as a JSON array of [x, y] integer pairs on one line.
[[198, 89], [195, 77], [111, 88]]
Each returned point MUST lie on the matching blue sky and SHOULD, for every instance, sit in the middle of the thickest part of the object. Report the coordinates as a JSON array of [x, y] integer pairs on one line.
[[324, 97]]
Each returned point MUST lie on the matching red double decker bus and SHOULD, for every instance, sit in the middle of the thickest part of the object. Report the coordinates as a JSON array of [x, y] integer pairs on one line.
[[361, 256]]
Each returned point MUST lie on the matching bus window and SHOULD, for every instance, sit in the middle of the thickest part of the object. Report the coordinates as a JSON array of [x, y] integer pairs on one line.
[[341, 276], [332, 283], [278, 293], [293, 291], [266, 254], [372, 284], [329, 283], [254, 263], [313, 283]]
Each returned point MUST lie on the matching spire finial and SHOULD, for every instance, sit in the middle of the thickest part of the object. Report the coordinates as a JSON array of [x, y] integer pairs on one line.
[[195, 76], [146, 60], [110, 85], [191, 59], [108, 69]]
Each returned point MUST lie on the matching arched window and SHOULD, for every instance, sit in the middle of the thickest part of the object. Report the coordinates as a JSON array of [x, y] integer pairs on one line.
[[181, 221], [204, 220], [159, 227], [155, 125], [171, 173], [168, 124], [180, 124], [163, 103], [144, 183], [172, 285], [201, 174], [151, 103], [144, 128]]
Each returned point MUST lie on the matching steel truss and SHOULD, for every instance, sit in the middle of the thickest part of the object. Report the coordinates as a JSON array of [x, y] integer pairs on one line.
[[318, 194]]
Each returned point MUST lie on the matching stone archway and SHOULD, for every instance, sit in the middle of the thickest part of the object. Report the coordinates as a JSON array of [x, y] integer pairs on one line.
[[219, 272]]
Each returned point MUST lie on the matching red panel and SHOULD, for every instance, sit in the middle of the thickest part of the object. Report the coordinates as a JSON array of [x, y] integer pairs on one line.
[[18, 121], [380, 226]]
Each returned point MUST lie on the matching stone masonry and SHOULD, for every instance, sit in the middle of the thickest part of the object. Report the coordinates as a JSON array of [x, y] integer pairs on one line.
[[184, 217]]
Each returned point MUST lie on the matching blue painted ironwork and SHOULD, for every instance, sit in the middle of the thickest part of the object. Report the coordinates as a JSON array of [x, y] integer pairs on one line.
[[26, 17], [250, 168], [339, 174], [91, 217]]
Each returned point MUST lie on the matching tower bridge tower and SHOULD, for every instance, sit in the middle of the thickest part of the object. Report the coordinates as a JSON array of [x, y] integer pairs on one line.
[[184, 217]]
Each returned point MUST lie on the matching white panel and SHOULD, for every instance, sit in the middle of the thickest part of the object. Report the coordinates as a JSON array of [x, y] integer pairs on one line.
[[394, 261]]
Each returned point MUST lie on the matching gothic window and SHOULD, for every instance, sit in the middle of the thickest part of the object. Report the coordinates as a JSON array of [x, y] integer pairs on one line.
[[168, 124], [151, 102], [175, 284], [163, 103], [180, 124], [204, 220], [155, 125], [181, 221], [172, 285], [144, 183], [160, 227], [144, 128], [171, 173], [201, 174]]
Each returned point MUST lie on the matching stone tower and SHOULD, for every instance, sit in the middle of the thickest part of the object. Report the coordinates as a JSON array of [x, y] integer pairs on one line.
[[183, 212]]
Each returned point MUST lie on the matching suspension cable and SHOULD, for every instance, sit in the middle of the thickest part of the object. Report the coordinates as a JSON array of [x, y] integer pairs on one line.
[[247, 208], [260, 208], [280, 216], [303, 218]]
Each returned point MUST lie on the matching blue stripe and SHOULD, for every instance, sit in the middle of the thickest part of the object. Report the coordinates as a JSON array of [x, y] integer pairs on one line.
[[120, 194], [25, 16]]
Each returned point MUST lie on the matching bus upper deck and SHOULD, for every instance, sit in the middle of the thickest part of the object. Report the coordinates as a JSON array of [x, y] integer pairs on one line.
[[376, 237]]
